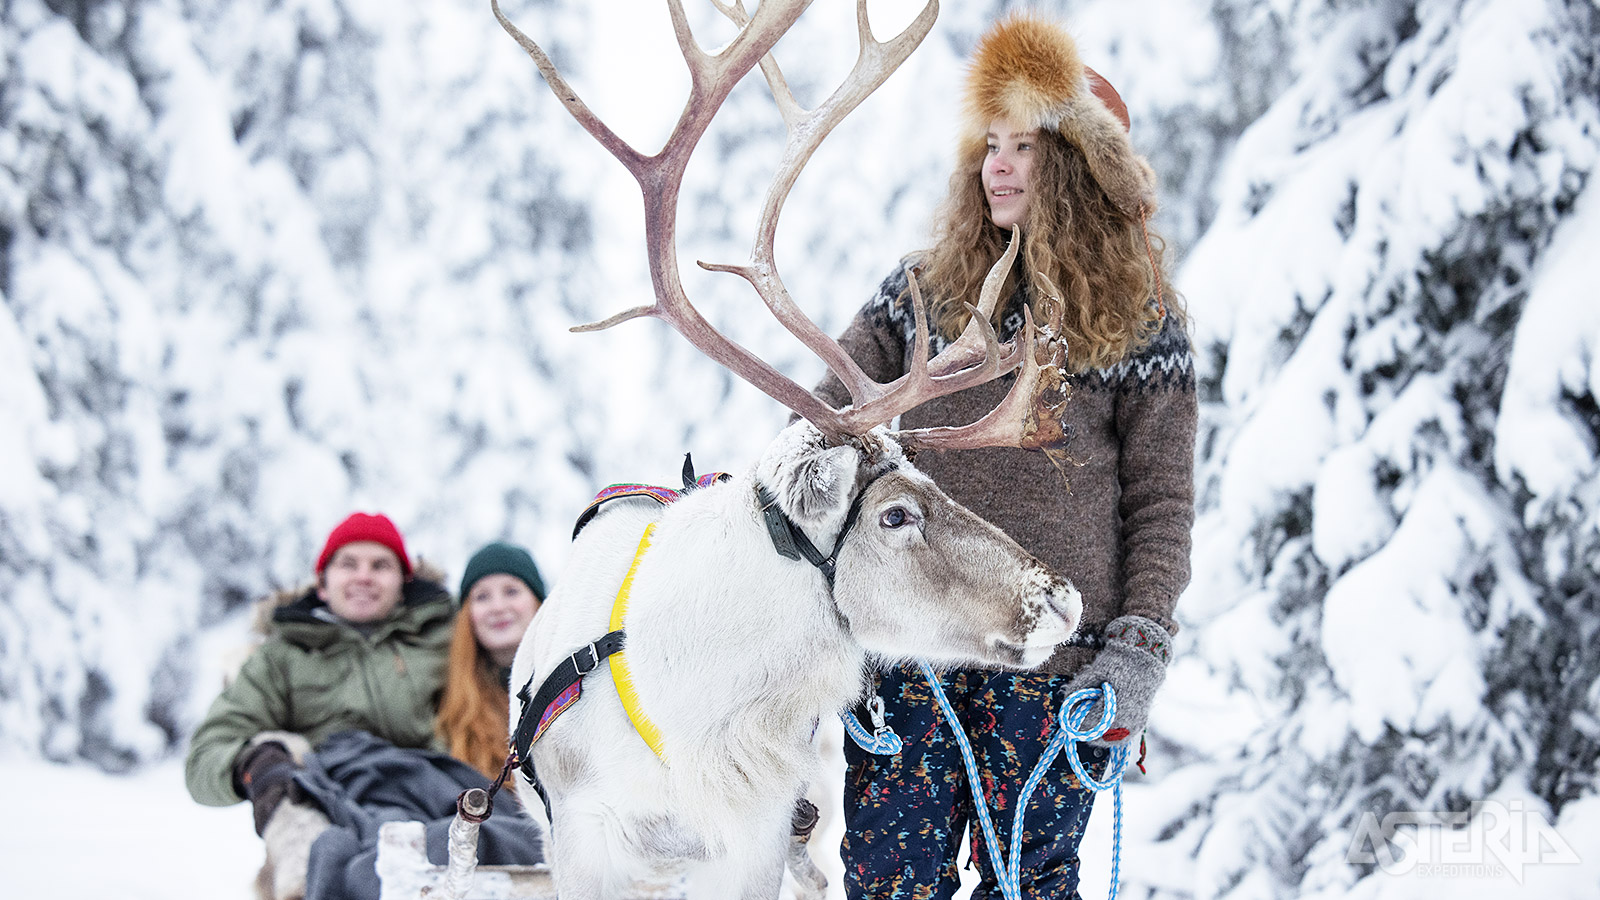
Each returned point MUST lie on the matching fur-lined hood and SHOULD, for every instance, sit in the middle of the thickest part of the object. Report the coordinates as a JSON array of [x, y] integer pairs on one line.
[[1027, 69]]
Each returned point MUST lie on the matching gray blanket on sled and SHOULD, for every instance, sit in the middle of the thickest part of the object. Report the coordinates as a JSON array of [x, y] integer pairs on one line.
[[362, 781]]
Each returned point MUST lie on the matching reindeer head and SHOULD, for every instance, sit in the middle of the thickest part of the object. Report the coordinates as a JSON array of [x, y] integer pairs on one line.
[[919, 575]]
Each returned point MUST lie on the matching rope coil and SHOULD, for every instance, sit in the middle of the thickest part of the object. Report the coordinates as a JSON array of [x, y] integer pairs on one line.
[[1008, 870]]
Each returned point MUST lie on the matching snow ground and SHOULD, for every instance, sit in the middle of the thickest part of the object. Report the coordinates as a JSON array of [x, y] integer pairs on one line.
[[149, 841], [140, 837], [77, 833]]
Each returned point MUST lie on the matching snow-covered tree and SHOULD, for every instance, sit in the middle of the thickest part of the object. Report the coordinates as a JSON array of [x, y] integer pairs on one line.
[[1394, 604], [260, 267]]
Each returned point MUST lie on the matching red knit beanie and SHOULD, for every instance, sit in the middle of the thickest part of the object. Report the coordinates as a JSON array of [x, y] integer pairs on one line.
[[364, 527]]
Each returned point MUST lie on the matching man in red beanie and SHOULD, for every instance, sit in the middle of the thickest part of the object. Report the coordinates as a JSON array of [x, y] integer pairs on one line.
[[363, 649], [362, 568]]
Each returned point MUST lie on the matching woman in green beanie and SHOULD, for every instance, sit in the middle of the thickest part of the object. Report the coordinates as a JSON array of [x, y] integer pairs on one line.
[[500, 592]]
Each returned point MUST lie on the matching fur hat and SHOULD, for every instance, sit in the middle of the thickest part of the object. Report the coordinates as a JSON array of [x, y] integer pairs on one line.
[[1027, 69]]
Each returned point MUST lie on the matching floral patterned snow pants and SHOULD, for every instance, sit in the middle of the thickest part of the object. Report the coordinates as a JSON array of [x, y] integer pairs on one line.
[[904, 814]]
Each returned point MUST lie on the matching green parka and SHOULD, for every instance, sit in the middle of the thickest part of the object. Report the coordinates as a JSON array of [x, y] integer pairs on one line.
[[316, 675]]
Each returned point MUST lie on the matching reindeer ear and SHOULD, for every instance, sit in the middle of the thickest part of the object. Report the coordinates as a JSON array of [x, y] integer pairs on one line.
[[810, 480], [822, 484]]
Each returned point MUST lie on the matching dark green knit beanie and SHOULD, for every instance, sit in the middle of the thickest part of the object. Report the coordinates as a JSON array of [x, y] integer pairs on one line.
[[502, 559]]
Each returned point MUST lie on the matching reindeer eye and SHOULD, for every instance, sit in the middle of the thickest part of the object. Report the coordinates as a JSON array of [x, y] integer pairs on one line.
[[894, 517]]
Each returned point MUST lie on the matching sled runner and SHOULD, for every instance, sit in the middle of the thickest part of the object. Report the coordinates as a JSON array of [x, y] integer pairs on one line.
[[406, 873]]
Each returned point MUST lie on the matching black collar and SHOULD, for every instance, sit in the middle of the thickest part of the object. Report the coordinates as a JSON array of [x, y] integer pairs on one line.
[[791, 542]]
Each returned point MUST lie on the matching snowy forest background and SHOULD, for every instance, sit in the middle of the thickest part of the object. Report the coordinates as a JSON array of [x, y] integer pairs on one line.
[[265, 263]]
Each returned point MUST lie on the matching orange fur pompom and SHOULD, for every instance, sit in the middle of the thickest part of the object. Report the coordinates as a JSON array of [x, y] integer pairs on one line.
[[1024, 69]]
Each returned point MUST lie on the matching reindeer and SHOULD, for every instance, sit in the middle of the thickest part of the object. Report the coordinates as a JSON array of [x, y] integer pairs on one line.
[[734, 651]]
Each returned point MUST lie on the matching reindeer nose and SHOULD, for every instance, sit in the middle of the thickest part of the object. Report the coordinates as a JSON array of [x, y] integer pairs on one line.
[[1067, 602]]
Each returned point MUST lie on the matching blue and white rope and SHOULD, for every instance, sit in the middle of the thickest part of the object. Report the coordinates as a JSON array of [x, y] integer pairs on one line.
[[883, 741], [1073, 711]]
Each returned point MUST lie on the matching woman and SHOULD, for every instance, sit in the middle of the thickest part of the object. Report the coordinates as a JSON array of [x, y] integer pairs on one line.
[[500, 592], [361, 781], [1042, 150]]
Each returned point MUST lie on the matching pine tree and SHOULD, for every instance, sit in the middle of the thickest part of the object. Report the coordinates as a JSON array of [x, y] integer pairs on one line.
[[261, 267], [1394, 605]]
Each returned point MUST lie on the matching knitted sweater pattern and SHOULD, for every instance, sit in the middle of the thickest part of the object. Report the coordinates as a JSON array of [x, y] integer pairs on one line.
[[1115, 517]]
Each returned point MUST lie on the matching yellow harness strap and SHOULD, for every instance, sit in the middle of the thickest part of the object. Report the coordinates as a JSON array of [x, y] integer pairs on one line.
[[619, 660]]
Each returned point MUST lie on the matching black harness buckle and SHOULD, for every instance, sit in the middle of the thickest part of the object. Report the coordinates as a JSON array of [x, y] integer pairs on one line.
[[536, 703], [593, 661]]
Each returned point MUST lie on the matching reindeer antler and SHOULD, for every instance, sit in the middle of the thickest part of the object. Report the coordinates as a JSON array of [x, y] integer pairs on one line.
[[973, 359], [1027, 417]]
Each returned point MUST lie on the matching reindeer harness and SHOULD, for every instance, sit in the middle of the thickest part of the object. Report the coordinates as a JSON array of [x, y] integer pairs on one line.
[[792, 543], [564, 685]]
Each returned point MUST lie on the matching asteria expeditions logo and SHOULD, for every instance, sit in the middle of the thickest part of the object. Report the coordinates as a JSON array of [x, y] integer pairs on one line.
[[1489, 839]]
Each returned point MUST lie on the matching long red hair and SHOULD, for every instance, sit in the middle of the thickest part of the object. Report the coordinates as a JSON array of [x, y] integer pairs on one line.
[[474, 713]]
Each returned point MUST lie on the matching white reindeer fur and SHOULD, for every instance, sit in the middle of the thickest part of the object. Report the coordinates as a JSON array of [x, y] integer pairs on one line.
[[736, 654]]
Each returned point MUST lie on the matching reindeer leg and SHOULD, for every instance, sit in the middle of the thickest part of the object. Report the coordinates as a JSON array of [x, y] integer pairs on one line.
[[726, 880], [763, 879], [750, 868], [578, 857], [809, 882]]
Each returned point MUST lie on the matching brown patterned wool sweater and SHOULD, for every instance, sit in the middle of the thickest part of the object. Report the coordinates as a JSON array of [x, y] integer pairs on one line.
[[1115, 519]]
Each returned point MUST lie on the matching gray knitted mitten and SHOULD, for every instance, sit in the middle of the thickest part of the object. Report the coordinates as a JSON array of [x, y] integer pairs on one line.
[[1134, 662]]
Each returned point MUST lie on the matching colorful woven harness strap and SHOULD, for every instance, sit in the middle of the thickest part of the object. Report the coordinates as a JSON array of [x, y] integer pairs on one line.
[[662, 495], [620, 673], [560, 689]]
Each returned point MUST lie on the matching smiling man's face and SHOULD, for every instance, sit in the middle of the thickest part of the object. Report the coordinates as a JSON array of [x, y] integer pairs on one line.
[[362, 582]]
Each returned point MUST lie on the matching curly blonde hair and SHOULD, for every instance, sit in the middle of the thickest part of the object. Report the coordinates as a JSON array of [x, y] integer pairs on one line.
[[1073, 235], [474, 712]]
